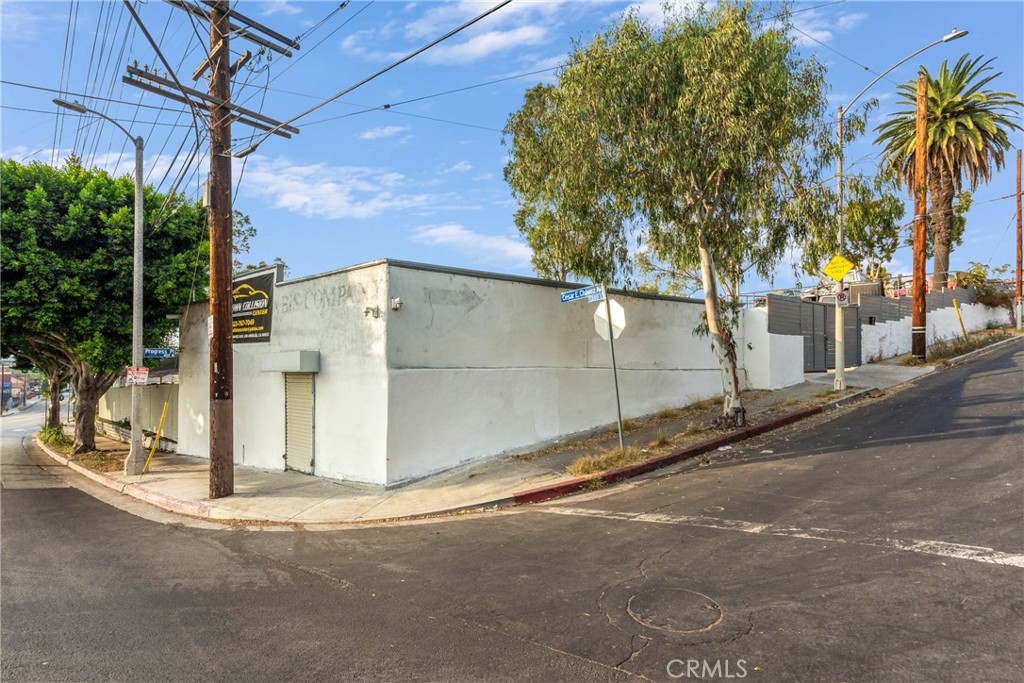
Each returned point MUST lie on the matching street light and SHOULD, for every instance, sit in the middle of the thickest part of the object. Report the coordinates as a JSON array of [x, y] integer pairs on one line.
[[136, 457], [840, 379]]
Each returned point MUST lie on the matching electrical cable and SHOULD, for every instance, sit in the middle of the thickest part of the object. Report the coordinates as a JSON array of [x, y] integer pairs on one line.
[[83, 95], [57, 113], [366, 80]]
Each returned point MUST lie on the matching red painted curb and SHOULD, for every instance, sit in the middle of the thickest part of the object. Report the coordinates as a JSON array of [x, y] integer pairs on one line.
[[564, 488]]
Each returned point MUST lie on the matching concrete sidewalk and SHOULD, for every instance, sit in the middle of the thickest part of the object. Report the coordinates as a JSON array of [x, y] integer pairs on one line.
[[180, 483]]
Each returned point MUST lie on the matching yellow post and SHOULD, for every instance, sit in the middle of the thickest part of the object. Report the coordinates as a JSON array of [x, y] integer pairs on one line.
[[956, 308], [156, 439]]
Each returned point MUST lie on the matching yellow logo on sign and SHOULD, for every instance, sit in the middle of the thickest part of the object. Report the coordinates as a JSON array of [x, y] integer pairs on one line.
[[838, 267]]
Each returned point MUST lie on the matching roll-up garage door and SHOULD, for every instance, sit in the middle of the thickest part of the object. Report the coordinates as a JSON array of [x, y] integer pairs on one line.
[[298, 440]]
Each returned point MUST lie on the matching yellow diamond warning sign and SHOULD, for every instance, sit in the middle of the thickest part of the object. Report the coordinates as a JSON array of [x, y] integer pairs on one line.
[[838, 267]]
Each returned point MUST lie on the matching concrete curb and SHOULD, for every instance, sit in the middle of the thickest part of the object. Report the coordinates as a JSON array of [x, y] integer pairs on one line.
[[190, 508], [576, 485], [971, 355], [206, 511]]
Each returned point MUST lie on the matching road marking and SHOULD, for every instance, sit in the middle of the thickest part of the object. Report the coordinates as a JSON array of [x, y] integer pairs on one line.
[[940, 548]]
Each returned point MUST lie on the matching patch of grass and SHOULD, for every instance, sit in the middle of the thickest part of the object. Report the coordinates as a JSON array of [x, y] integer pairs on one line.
[[595, 484], [669, 414], [627, 426], [912, 361], [706, 404], [693, 428], [609, 460], [55, 438], [790, 402], [957, 346], [830, 393], [661, 441]]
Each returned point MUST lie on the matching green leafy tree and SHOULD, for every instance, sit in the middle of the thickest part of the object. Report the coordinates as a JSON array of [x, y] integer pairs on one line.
[[701, 139], [873, 216], [559, 171], [968, 134], [67, 272]]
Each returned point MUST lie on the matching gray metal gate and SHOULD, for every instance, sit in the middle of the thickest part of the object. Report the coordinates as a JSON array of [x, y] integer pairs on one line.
[[816, 323]]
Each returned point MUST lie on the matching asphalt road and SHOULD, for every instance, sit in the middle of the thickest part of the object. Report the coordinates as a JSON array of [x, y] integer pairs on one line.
[[879, 543]]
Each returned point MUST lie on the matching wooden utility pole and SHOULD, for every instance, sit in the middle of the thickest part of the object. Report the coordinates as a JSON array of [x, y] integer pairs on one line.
[[918, 327], [219, 189], [222, 469], [1020, 302]]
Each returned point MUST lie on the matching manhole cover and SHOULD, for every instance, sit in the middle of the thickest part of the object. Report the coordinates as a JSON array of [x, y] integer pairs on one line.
[[675, 609], [714, 508]]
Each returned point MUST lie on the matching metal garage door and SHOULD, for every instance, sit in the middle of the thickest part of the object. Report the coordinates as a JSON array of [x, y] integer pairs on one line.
[[298, 427]]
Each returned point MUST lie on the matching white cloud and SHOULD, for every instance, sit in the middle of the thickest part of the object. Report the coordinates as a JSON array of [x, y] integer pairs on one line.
[[847, 22], [486, 44], [485, 248], [460, 167], [653, 11], [815, 28], [333, 192], [516, 25], [445, 16], [27, 21], [382, 132], [271, 7]]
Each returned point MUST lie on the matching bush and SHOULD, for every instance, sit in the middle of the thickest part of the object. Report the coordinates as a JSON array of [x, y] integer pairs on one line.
[[55, 437]]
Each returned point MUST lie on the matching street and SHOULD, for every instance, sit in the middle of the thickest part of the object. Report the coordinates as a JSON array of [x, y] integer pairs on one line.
[[877, 543]]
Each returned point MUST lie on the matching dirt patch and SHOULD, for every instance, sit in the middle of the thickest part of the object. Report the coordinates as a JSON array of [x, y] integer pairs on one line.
[[102, 461]]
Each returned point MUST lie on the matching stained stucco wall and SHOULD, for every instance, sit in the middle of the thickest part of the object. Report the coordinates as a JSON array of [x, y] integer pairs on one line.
[[479, 366], [893, 338], [323, 314]]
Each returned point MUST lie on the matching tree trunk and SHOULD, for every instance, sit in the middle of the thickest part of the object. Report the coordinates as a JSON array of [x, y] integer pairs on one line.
[[53, 405], [56, 377], [89, 387], [733, 413], [942, 227]]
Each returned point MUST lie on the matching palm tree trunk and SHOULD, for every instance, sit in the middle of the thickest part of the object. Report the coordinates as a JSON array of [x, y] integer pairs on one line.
[[942, 226]]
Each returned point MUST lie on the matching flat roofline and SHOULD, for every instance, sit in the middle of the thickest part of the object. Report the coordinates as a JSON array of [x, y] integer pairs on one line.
[[480, 274]]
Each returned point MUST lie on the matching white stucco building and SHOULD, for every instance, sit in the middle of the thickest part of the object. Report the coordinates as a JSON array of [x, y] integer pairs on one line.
[[390, 371]]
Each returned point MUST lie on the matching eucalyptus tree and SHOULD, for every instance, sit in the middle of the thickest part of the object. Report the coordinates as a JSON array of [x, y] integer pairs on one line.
[[968, 134], [561, 173], [873, 221], [704, 139]]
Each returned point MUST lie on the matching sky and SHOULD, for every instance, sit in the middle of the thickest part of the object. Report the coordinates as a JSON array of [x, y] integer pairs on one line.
[[409, 165]]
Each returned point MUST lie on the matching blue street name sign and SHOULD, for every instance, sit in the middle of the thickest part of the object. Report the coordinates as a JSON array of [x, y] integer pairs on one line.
[[591, 293], [159, 353]]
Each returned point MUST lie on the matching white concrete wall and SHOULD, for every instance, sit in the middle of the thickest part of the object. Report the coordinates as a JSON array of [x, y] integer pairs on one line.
[[770, 361], [890, 339], [325, 314], [479, 366], [116, 405]]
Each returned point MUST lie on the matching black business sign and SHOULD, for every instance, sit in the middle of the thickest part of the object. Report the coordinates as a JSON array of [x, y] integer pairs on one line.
[[252, 307]]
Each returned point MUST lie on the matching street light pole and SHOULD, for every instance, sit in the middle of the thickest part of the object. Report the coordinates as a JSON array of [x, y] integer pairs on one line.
[[840, 334], [136, 455]]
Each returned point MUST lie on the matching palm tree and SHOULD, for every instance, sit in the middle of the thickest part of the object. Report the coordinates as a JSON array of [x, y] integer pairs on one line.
[[968, 133]]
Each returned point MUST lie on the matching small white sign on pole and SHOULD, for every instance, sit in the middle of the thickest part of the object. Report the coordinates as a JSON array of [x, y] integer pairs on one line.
[[137, 376], [842, 299]]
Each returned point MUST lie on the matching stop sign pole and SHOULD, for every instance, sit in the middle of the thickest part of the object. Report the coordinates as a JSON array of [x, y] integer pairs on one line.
[[615, 370]]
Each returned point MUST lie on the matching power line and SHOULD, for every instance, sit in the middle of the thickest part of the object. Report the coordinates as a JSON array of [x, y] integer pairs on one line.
[[366, 80], [78, 94], [57, 113]]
